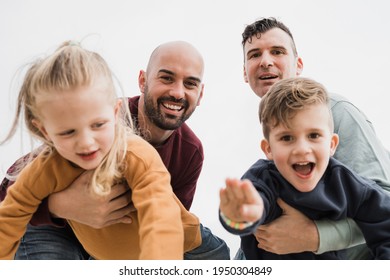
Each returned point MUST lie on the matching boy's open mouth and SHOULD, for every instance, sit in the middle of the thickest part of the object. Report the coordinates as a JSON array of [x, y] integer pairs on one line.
[[303, 168]]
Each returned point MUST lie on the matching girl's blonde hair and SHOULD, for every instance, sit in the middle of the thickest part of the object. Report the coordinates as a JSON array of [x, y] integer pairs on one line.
[[69, 68], [286, 97]]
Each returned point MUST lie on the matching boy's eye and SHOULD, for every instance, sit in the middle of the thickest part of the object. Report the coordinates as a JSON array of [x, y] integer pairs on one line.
[[314, 135], [286, 138]]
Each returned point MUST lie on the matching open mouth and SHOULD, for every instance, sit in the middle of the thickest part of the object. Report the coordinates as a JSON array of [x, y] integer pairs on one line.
[[173, 107], [303, 168], [268, 77], [88, 156]]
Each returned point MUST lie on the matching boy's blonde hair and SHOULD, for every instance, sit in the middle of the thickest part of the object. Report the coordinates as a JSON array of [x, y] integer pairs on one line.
[[288, 96], [69, 68]]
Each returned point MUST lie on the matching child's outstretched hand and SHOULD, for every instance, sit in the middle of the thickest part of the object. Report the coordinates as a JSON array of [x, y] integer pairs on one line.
[[240, 201]]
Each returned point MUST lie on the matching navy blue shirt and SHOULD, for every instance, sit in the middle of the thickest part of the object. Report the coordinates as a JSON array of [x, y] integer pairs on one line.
[[341, 193]]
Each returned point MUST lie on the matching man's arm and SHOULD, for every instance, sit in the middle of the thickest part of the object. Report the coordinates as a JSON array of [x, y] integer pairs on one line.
[[292, 232], [96, 211]]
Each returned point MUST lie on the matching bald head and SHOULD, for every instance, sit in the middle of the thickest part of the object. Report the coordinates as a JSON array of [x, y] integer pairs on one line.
[[171, 87], [178, 52]]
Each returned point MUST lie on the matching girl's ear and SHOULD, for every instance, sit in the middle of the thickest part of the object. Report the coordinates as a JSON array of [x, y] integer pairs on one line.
[[266, 148], [117, 107], [41, 128]]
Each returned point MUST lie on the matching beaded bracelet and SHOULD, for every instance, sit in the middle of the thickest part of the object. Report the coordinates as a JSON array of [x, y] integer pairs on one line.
[[235, 225]]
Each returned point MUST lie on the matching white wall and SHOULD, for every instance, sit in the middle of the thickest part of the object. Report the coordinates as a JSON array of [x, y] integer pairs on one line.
[[344, 44]]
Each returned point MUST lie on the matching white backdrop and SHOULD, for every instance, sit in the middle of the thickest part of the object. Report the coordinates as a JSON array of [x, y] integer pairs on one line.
[[344, 44]]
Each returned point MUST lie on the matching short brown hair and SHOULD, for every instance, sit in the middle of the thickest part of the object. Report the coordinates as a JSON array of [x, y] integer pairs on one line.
[[263, 25], [288, 96]]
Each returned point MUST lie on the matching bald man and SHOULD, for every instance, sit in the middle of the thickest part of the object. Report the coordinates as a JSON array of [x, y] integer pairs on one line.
[[171, 89]]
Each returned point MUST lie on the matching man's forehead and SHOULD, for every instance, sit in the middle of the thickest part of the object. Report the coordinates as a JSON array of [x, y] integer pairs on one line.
[[179, 65], [274, 37]]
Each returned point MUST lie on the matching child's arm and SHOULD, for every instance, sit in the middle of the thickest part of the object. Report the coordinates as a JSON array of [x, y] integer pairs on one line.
[[240, 202]]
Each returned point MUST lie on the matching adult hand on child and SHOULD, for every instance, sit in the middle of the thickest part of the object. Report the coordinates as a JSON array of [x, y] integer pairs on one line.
[[292, 232], [95, 211]]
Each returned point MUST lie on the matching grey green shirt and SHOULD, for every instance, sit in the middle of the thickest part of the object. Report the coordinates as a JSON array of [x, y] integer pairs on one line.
[[362, 151]]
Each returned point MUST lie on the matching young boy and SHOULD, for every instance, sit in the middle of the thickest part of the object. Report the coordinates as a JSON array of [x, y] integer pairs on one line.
[[299, 142]]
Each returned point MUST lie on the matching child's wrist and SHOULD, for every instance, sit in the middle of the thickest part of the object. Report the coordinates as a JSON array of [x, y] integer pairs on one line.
[[235, 225]]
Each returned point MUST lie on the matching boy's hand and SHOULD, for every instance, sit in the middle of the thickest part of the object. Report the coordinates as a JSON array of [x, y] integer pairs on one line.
[[240, 201]]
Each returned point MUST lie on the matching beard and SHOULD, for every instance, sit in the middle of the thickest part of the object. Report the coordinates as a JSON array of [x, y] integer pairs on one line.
[[162, 120]]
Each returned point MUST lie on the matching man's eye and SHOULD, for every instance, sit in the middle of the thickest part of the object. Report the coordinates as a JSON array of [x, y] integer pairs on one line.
[[190, 84], [254, 55], [166, 78], [278, 52]]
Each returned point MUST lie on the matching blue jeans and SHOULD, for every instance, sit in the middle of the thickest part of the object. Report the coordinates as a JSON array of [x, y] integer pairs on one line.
[[212, 248], [50, 243], [239, 255], [53, 243]]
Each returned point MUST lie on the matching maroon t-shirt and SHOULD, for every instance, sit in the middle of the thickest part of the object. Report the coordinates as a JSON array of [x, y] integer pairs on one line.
[[182, 154]]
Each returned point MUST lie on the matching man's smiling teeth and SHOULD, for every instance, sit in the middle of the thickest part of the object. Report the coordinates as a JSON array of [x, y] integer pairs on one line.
[[172, 106], [265, 77]]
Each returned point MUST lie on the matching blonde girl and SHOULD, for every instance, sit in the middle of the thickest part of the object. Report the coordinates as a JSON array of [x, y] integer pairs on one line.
[[76, 138]]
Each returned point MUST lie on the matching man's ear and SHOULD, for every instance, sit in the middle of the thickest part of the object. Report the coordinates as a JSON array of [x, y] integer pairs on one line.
[[41, 128], [200, 94], [299, 66], [266, 148], [142, 80], [245, 75]]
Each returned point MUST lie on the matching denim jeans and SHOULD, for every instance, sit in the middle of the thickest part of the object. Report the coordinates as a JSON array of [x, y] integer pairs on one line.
[[53, 243], [212, 248], [50, 243], [239, 255]]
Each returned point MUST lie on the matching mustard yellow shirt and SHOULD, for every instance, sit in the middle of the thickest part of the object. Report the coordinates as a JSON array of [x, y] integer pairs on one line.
[[161, 229]]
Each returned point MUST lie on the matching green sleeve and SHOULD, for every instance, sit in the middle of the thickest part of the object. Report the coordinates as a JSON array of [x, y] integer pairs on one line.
[[361, 150], [338, 235]]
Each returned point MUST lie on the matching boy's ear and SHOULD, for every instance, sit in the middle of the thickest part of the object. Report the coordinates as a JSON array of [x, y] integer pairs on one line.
[[266, 148], [334, 142], [41, 128]]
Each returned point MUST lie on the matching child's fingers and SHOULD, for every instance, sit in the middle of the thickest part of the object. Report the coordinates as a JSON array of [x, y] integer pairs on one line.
[[223, 197], [250, 193], [235, 190]]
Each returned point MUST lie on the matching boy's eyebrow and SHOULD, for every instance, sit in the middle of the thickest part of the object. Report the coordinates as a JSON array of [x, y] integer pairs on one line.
[[166, 71]]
